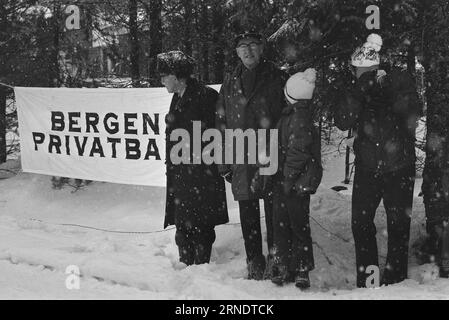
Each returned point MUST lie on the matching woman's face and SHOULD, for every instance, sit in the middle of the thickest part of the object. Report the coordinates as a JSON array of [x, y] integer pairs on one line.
[[170, 82]]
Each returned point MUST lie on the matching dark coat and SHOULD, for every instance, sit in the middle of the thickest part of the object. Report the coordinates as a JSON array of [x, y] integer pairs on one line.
[[260, 109], [196, 193], [300, 168], [384, 117]]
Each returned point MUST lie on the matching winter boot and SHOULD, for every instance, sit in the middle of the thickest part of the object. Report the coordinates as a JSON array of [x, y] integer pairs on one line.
[[202, 253], [256, 268], [302, 280], [279, 275], [186, 254]]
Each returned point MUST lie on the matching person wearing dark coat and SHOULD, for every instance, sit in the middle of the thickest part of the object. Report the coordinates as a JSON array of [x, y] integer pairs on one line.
[[251, 98], [435, 190], [196, 196], [299, 175], [383, 109]]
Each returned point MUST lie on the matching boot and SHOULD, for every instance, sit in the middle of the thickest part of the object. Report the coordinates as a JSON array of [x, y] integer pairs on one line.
[[186, 255], [256, 268], [302, 280], [281, 275], [202, 253], [270, 268]]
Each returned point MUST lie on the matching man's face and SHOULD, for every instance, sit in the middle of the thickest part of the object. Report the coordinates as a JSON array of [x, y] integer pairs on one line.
[[359, 71], [170, 82], [250, 50]]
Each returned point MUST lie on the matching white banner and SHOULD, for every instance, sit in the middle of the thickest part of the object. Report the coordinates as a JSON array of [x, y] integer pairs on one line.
[[112, 135]]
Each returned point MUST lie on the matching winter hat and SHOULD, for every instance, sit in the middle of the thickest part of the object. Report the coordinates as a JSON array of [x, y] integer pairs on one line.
[[300, 86], [248, 35], [176, 63], [368, 54]]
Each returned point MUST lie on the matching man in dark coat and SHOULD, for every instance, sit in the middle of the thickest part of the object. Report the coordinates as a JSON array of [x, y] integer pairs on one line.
[[383, 110], [196, 196], [435, 189], [251, 98]]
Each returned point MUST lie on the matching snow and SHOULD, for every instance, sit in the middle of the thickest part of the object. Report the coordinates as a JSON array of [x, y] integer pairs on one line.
[[36, 249]]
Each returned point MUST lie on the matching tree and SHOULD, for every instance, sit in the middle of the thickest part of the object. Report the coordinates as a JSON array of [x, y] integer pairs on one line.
[[323, 34], [435, 30]]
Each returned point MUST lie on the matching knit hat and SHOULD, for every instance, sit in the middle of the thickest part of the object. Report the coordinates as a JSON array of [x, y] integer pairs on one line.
[[368, 54], [300, 86], [176, 63]]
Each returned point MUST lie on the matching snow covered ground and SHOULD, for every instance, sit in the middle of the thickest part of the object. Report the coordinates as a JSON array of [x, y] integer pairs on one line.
[[36, 248]]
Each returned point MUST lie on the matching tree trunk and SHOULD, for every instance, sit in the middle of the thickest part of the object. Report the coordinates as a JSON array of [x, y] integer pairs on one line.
[[55, 74], [218, 56], [204, 43], [187, 39], [134, 43], [437, 140], [347, 160], [155, 37], [3, 155]]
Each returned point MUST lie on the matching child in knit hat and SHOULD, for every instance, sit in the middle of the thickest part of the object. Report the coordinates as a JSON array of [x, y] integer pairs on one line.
[[299, 175]]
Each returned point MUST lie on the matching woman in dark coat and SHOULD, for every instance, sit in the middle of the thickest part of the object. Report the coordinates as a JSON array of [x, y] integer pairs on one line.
[[196, 196]]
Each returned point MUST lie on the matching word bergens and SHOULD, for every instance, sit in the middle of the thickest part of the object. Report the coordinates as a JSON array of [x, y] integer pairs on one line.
[[103, 138]]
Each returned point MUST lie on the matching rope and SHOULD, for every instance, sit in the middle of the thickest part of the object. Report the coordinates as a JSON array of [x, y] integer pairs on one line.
[[112, 231], [169, 229], [166, 230], [330, 232], [6, 85], [100, 229]]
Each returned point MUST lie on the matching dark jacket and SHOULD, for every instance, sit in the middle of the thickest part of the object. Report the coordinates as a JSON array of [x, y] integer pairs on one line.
[[196, 193], [384, 117], [260, 109], [300, 168]]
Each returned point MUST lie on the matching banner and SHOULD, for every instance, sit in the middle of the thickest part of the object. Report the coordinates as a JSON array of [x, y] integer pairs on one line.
[[111, 135]]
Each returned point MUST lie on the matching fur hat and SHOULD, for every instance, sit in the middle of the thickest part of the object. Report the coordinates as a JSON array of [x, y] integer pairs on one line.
[[248, 34], [176, 63], [300, 86], [368, 54]]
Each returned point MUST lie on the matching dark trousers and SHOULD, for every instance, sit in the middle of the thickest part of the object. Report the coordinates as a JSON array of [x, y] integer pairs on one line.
[[251, 229], [292, 235], [195, 244], [396, 190]]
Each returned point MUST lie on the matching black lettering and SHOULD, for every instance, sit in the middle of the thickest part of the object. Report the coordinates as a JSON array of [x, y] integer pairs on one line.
[[38, 138], [113, 129], [132, 149], [129, 123], [81, 147], [67, 145], [57, 121], [55, 142], [96, 148], [148, 121], [74, 122], [92, 120], [152, 150], [114, 142]]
